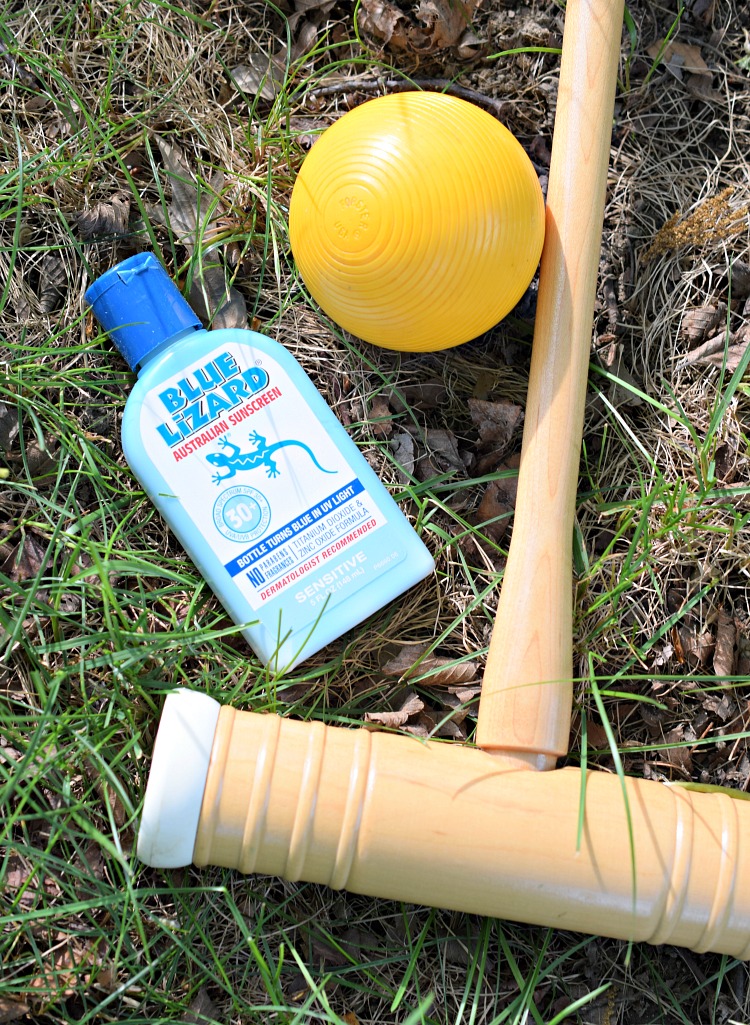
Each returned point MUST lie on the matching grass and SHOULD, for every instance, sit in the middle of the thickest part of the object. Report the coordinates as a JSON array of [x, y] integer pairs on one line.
[[101, 613]]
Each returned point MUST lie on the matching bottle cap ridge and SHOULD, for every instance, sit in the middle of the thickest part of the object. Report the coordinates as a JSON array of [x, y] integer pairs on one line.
[[139, 306]]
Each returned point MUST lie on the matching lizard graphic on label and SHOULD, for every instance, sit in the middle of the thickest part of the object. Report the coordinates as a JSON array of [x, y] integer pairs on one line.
[[236, 460]]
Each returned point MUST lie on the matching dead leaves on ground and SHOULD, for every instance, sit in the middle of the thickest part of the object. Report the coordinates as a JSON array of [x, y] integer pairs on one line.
[[37, 458], [25, 557], [684, 61], [724, 350], [720, 644], [432, 452], [454, 688], [60, 969], [435, 25], [198, 218], [702, 321], [493, 513], [432, 670], [107, 219], [260, 75], [60, 960], [202, 1010], [714, 335]]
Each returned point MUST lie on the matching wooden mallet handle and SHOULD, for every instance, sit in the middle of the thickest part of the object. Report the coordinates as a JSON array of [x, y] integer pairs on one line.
[[528, 687]]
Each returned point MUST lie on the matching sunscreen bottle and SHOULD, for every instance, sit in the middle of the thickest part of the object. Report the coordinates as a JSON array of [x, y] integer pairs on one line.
[[241, 455]]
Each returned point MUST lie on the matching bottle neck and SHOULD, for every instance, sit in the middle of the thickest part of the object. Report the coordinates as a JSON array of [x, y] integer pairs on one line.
[[154, 353]]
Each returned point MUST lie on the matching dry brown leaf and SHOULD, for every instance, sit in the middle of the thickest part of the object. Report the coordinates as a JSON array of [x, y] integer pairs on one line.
[[137, 163], [60, 971], [494, 511], [26, 559], [700, 87], [433, 670], [53, 283], [702, 10], [679, 757], [717, 343], [110, 796], [40, 459], [470, 47], [22, 875], [356, 939], [540, 150], [402, 446], [422, 729], [412, 705], [445, 21], [445, 672], [596, 735], [91, 866], [496, 422], [403, 663], [441, 456], [450, 728], [458, 709], [726, 639], [696, 648], [324, 953], [721, 705], [16, 71], [17, 871], [215, 301], [305, 38], [382, 20], [106, 218], [380, 417], [308, 6], [698, 323], [459, 950], [729, 358], [422, 395], [105, 978], [726, 463], [466, 694], [259, 76], [683, 56], [440, 24], [12, 1008], [192, 205], [202, 1010], [9, 425], [196, 214]]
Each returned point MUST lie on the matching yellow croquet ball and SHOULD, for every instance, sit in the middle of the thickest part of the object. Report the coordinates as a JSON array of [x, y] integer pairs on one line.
[[417, 221]]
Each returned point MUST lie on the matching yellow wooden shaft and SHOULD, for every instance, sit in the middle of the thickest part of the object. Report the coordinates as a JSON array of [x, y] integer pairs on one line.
[[527, 690]]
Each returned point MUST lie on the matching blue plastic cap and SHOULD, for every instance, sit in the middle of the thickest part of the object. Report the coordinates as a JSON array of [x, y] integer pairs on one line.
[[140, 307]]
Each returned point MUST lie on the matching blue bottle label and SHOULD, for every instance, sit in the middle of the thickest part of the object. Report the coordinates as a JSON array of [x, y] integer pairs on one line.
[[264, 481]]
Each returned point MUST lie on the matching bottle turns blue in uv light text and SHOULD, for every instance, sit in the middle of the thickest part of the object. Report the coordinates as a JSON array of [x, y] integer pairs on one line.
[[260, 482]]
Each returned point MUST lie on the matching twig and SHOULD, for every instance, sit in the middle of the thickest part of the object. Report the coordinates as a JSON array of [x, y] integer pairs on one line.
[[499, 108]]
